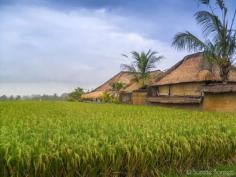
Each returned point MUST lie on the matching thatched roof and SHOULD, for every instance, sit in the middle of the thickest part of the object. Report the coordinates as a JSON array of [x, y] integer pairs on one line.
[[93, 95], [193, 68], [220, 88], [124, 77]]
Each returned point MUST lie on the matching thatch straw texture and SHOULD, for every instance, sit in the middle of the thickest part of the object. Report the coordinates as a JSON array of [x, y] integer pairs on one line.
[[193, 68], [126, 78], [92, 95]]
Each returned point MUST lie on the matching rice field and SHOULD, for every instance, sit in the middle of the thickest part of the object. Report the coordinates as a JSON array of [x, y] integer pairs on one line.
[[62, 139]]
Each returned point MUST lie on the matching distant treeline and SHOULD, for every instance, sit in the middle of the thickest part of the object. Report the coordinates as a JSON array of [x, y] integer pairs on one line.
[[35, 97], [75, 95]]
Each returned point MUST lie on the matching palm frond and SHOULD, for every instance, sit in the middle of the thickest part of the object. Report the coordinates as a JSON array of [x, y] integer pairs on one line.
[[150, 52], [152, 62], [117, 86], [211, 53], [135, 55], [219, 48], [136, 78], [231, 47], [233, 61], [220, 4], [231, 30], [143, 63], [210, 23], [204, 1], [124, 55], [188, 41], [130, 68]]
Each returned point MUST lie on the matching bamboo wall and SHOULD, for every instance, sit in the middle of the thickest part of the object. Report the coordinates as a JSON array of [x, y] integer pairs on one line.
[[125, 98], [139, 98], [164, 90], [188, 89], [220, 102]]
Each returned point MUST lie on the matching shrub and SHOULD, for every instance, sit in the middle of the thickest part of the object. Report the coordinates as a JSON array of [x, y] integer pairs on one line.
[[75, 95]]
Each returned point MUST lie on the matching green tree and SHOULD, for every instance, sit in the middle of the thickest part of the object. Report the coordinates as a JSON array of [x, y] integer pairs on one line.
[[3, 98], [143, 63], [75, 95], [107, 97], [18, 97], [116, 88], [219, 36]]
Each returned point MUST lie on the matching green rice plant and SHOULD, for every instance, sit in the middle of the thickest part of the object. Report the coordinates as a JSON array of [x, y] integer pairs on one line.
[[63, 139]]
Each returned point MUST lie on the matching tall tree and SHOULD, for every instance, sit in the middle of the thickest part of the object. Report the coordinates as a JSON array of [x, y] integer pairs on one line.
[[219, 36], [143, 63]]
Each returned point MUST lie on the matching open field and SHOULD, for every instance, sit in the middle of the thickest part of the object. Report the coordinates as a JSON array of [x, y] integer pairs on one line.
[[64, 139]]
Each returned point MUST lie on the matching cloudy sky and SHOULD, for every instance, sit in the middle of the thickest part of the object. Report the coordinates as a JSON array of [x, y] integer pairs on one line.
[[53, 46]]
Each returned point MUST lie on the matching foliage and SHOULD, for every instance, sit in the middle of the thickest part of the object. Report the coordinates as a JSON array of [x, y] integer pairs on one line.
[[75, 95], [109, 98], [219, 44], [117, 86], [3, 98], [66, 139], [106, 97], [142, 65]]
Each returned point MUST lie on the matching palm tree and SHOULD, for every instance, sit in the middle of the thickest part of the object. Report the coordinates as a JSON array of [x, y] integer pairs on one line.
[[219, 44], [143, 63], [116, 87]]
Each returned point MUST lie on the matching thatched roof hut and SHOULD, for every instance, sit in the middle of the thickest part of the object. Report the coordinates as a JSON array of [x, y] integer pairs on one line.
[[184, 82], [193, 68], [124, 77]]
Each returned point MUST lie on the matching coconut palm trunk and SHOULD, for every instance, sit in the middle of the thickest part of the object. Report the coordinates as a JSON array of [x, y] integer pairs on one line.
[[224, 71]]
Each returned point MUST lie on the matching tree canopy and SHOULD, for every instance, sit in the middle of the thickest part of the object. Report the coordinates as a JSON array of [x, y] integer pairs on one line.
[[218, 43], [143, 64]]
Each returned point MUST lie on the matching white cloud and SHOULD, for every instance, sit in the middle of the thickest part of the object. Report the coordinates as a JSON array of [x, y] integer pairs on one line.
[[82, 47]]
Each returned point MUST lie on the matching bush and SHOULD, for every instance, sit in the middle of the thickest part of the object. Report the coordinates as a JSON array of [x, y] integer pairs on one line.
[[109, 98], [75, 95]]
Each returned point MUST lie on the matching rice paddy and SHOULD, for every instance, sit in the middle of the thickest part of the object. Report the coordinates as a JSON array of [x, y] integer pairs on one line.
[[62, 139]]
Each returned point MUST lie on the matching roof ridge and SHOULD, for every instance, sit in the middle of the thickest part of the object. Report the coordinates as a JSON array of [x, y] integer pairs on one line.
[[187, 57], [168, 71], [117, 75]]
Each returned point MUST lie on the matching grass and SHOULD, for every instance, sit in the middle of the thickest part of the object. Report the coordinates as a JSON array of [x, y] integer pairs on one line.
[[64, 139]]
